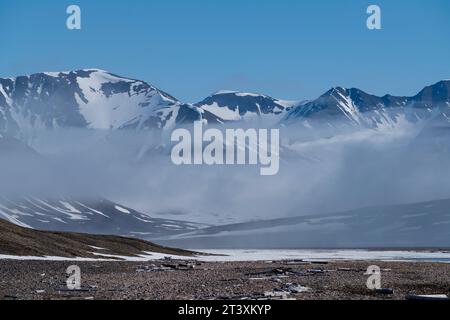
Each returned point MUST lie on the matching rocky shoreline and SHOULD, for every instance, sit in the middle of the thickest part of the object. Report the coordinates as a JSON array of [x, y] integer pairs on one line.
[[187, 280]]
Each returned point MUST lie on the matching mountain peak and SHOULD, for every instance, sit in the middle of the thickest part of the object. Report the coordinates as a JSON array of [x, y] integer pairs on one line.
[[220, 92], [437, 93], [344, 91], [355, 107], [239, 94], [86, 98], [234, 105]]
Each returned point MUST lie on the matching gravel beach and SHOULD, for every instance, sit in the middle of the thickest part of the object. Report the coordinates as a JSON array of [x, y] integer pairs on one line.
[[173, 279]]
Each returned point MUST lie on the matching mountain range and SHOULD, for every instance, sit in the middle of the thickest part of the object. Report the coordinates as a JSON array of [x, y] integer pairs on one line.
[[424, 224], [98, 99], [357, 108], [95, 216], [93, 99]]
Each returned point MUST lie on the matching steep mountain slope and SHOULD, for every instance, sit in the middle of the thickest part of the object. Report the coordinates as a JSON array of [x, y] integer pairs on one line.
[[89, 98], [353, 107], [412, 225], [98, 216], [19, 241]]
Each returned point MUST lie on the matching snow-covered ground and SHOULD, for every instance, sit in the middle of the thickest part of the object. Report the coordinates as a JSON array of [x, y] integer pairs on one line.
[[326, 255], [273, 255]]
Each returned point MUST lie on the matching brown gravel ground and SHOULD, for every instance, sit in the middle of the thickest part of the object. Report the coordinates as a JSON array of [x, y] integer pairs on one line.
[[230, 280]]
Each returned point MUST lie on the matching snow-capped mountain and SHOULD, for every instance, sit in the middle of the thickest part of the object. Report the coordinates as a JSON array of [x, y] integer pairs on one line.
[[97, 216], [98, 99], [353, 107], [89, 98], [233, 106]]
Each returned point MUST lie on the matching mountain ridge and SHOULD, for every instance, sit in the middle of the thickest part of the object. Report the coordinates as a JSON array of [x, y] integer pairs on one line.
[[95, 216], [354, 105], [88, 98], [98, 99], [18, 241], [421, 224]]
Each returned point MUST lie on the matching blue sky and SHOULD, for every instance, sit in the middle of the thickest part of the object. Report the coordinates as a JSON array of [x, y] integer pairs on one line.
[[289, 49]]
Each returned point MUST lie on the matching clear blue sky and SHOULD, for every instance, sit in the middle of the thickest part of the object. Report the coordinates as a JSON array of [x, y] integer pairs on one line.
[[292, 49]]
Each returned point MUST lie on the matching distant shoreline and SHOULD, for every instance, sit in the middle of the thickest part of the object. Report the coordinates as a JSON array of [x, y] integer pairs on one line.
[[261, 255]]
